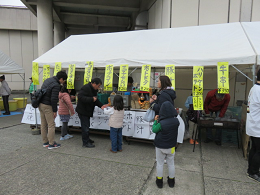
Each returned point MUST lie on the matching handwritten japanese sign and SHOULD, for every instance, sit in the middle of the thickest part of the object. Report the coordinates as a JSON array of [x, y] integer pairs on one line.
[[145, 77], [223, 77], [35, 73], [197, 89], [57, 68], [123, 77], [88, 72], [170, 72], [46, 72], [71, 76], [108, 81]]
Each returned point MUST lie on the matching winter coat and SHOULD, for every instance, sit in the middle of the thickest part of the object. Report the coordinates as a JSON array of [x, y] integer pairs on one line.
[[51, 97], [211, 104], [4, 89], [164, 95], [86, 105], [65, 104], [253, 117], [167, 137], [116, 117]]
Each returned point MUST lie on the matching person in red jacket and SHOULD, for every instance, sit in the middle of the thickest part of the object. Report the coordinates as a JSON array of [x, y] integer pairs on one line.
[[215, 103]]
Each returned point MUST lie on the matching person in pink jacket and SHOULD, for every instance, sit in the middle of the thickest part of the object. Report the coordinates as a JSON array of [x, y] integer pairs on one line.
[[65, 111]]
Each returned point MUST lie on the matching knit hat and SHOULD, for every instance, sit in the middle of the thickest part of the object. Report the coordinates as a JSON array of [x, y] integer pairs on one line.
[[258, 75], [2, 77]]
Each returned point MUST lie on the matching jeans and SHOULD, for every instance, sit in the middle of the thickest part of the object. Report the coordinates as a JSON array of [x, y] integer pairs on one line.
[[254, 156], [85, 123], [218, 133], [116, 138]]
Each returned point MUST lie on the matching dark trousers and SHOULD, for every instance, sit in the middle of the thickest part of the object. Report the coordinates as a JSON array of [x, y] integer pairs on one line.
[[85, 123], [6, 104], [254, 156]]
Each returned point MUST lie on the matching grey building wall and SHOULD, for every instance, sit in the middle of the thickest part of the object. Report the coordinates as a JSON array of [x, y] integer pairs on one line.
[[18, 40]]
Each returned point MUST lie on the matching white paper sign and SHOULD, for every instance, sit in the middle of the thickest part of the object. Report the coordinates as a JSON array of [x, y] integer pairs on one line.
[[128, 125], [142, 128]]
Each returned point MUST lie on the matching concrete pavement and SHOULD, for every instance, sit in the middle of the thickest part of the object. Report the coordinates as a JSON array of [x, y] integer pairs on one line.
[[28, 168]]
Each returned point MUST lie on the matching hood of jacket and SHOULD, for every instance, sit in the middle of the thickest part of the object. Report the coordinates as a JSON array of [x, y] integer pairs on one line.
[[167, 110]]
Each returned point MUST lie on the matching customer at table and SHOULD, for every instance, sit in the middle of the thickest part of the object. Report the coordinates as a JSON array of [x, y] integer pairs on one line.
[[166, 93], [253, 130], [130, 84], [87, 100], [215, 103]]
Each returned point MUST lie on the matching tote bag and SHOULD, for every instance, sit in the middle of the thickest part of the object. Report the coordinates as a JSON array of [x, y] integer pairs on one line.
[[149, 115]]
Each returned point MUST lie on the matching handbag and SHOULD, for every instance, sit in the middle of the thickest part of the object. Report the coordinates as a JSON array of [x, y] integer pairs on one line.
[[192, 114], [149, 115], [66, 106]]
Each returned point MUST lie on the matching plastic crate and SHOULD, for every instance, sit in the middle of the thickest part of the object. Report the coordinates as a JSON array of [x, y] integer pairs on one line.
[[234, 112], [103, 97], [229, 136]]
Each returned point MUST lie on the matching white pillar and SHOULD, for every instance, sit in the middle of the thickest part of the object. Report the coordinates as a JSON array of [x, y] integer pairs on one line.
[[59, 32], [45, 26]]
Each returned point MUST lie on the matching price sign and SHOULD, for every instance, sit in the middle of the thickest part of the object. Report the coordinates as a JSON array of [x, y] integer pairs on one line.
[[145, 78], [71, 76], [170, 72], [123, 78], [88, 72], [57, 68], [223, 77], [35, 73], [108, 81]]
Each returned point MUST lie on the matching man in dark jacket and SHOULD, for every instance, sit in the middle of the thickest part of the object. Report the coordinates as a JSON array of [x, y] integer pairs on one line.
[[48, 108], [218, 103], [87, 100]]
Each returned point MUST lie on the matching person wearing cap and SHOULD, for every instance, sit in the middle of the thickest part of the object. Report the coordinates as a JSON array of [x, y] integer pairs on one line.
[[215, 103], [32, 88], [253, 130], [5, 91]]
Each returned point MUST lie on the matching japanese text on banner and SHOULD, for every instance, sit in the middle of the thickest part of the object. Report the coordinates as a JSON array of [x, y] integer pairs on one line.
[[71, 76], [108, 82], [197, 89], [223, 77], [145, 77], [123, 77], [57, 68], [35, 73], [88, 72], [46, 72], [197, 102], [170, 72]]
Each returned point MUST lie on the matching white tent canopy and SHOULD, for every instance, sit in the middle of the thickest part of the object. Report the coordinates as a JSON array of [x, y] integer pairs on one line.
[[186, 46], [8, 66], [253, 31]]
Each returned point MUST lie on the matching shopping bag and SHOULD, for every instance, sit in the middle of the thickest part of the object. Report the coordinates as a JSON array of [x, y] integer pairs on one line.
[[149, 115]]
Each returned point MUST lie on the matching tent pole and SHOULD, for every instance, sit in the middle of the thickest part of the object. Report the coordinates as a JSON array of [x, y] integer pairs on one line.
[[23, 92]]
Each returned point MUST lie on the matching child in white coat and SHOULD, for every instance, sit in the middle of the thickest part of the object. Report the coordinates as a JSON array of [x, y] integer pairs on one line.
[[116, 123]]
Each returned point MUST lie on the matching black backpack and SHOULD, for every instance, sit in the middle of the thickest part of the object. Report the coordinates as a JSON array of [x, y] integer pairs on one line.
[[37, 96]]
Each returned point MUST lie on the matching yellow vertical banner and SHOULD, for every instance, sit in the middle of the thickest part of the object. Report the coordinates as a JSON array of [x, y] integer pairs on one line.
[[71, 76], [108, 81], [57, 68], [123, 77], [197, 89], [223, 77], [145, 77], [170, 72], [35, 73], [46, 72], [88, 72]]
